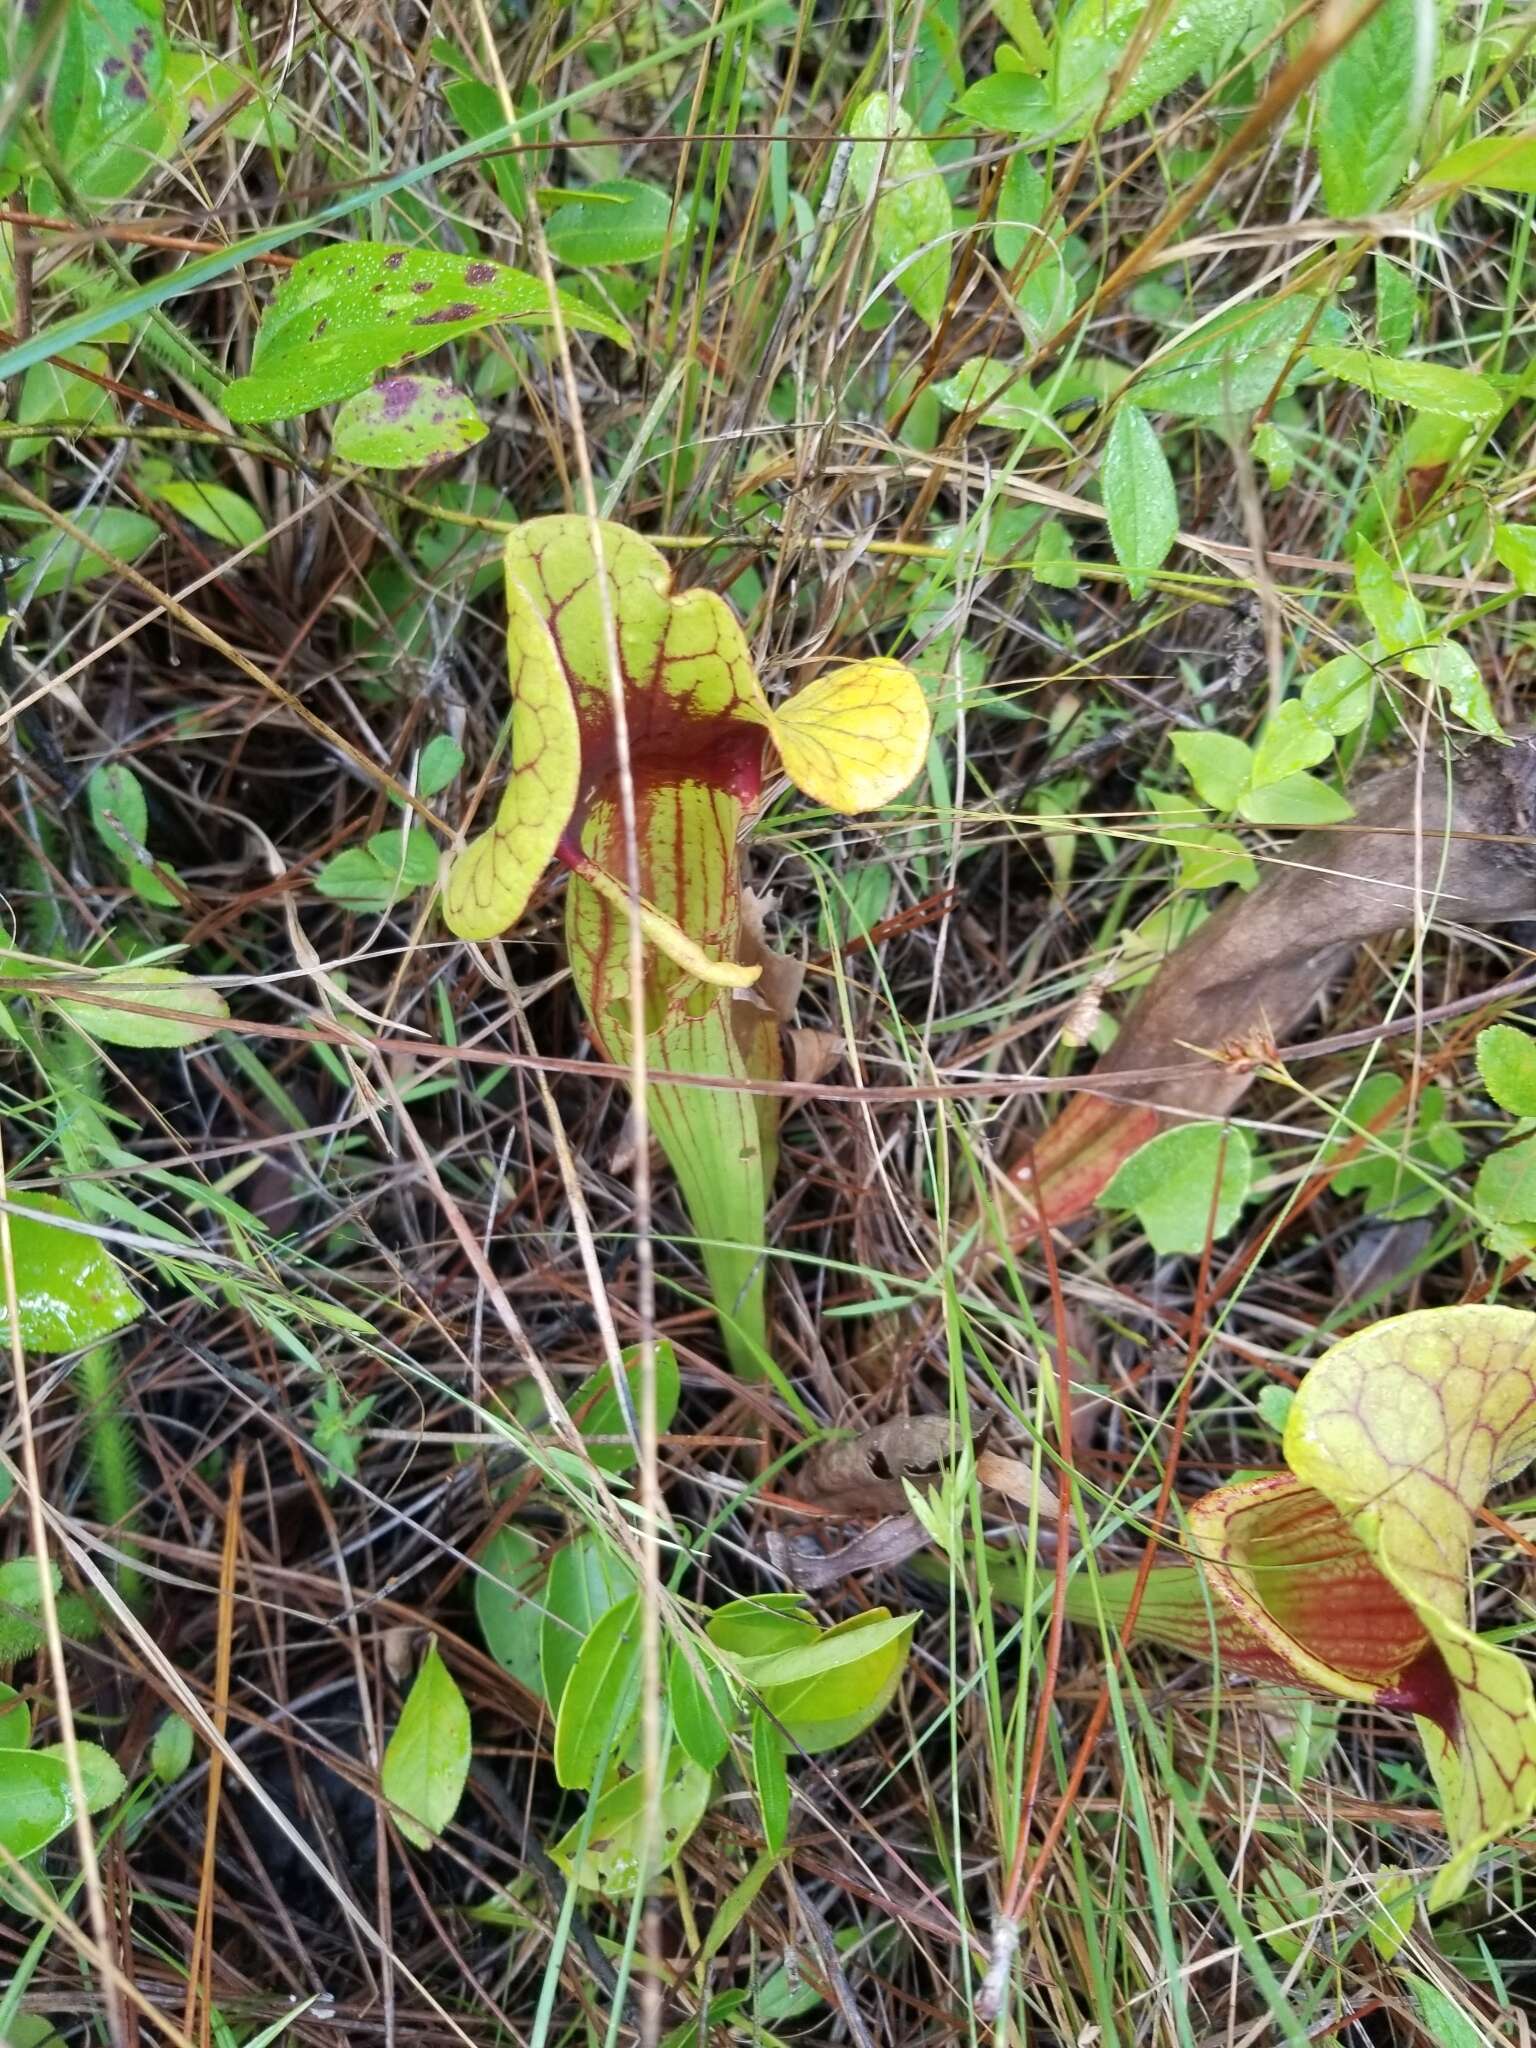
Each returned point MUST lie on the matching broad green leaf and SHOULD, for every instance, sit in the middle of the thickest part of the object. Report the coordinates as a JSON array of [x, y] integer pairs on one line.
[[70, 1291], [1337, 696], [35, 1803], [1299, 800], [426, 1760], [100, 1774], [585, 1580], [1404, 1428], [1493, 163], [763, 1626], [215, 510], [602, 1418], [623, 221], [115, 535], [855, 737], [52, 395], [1372, 100], [1515, 547], [1000, 396], [508, 1605], [1185, 1186], [830, 1651], [405, 422], [1094, 35], [374, 877], [1430, 387], [1395, 613], [441, 760], [1290, 741], [615, 1829], [703, 1714], [159, 1008], [1010, 101], [350, 310], [21, 1582], [913, 218], [170, 1753], [1447, 664], [115, 114], [1505, 1191], [1219, 766], [209, 84], [770, 1779], [1240, 359], [1139, 499], [838, 1702], [1506, 1059], [601, 1698]]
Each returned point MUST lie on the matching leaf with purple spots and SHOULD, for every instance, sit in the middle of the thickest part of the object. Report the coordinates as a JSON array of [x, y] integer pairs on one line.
[[115, 115], [405, 421], [347, 312]]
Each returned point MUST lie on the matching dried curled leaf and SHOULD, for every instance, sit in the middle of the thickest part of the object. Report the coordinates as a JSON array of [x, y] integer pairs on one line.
[[1454, 840]]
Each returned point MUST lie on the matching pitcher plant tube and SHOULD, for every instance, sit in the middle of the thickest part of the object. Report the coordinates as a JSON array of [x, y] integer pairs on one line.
[[700, 737], [1349, 1574]]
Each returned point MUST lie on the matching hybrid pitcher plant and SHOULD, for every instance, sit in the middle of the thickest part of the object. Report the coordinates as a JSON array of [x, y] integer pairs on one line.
[[700, 738], [1349, 1573]]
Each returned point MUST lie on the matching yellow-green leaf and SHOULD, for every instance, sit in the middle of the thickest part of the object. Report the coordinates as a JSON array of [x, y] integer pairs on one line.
[[601, 1698], [427, 1758], [1430, 387], [69, 1289], [491, 881], [404, 422], [150, 1007], [855, 737], [603, 1851], [1405, 1427]]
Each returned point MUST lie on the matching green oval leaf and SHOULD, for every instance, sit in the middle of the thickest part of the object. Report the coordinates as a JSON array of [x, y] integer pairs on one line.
[[585, 1580], [1430, 387], [117, 536], [34, 1800], [170, 1754], [427, 1758], [601, 1417], [1506, 1059], [215, 510], [602, 1697], [157, 1008], [373, 878], [1139, 499], [70, 1291], [1170, 1181], [703, 1714], [405, 422], [1372, 100], [615, 1830], [1095, 34], [770, 1777], [913, 217], [100, 1774], [845, 1698], [620, 221], [1506, 1184], [510, 1617], [348, 311]]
